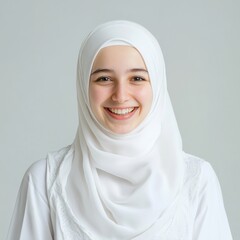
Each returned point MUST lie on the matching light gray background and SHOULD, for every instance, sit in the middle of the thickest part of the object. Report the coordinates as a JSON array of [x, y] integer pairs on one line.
[[39, 43]]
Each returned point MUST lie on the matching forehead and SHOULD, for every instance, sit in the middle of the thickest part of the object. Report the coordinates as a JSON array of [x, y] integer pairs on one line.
[[118, 56]]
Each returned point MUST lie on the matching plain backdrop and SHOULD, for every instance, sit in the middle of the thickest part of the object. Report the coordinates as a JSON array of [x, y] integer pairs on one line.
[[39, 44]]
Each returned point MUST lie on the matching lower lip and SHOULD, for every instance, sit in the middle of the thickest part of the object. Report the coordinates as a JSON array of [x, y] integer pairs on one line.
[[121, 117]]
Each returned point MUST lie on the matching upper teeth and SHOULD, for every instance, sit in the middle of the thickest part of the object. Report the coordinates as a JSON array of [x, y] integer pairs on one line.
[[121, 111]]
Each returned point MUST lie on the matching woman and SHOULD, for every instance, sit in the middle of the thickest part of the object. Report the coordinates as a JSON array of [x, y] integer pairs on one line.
[[125, 176]]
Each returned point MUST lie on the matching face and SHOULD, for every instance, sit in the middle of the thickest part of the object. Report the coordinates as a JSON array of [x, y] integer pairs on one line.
[[120, 90]]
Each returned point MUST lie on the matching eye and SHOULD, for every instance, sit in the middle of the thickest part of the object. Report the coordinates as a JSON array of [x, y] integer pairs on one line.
[[138, 79], [103, 79]]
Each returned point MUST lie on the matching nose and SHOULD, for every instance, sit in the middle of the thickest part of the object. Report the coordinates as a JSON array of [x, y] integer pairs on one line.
[[120, 93]]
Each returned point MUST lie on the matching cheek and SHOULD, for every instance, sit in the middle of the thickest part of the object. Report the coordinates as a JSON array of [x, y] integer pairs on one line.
[[145, 96], [94, 96], [95, 99]]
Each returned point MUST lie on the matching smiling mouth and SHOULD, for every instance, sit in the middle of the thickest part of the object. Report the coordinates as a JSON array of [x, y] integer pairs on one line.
[[121, 111]]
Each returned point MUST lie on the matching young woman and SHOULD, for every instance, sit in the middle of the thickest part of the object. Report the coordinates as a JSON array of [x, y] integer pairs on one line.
[[125, 176]]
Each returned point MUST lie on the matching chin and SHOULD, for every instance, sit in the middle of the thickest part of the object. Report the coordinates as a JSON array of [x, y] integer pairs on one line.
[[121, 130]]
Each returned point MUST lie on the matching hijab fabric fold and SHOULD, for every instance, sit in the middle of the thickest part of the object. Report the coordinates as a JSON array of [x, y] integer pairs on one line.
[[120, 186]]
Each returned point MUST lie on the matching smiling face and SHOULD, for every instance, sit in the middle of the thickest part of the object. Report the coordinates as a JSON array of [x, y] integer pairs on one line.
[[120, 90]]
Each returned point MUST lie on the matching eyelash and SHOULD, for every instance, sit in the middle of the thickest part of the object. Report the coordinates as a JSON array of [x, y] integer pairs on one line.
[[101, 79], [105, 79], [139, 79]]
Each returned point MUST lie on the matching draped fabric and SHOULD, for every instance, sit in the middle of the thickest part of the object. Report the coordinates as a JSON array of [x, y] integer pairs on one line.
[[120, 186]]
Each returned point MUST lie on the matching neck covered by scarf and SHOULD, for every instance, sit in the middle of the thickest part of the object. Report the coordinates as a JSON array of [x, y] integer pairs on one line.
[[115, 186]]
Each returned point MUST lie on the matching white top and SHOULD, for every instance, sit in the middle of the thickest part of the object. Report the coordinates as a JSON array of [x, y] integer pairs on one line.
[[134, 186], [199, 215]]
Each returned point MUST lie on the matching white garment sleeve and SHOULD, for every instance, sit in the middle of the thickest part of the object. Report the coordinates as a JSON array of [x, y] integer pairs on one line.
[[31, 216], [211, 222]]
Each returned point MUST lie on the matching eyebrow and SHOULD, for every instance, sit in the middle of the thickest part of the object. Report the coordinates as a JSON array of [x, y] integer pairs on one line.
[[112, 71]]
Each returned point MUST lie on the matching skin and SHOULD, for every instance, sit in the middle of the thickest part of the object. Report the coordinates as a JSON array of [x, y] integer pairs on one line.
[[120, 90]]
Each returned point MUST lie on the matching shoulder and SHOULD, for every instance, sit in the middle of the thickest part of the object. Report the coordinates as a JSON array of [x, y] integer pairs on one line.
[[31, 215], [35, 179], [198, 168], [202, 183], [37, 172], [200, 179], [55, 158], [208, 212]]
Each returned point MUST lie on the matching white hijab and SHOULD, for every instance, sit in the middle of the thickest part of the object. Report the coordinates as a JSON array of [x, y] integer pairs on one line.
[[115, 186]]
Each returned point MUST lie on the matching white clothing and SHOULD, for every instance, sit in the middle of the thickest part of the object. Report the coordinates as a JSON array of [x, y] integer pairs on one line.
[[113, 172], [200, 215], [134, 186]]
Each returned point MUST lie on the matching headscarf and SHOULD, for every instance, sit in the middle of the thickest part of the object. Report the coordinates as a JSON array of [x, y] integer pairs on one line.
[[120, 186]]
